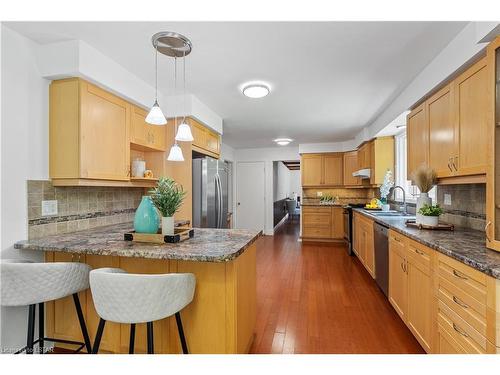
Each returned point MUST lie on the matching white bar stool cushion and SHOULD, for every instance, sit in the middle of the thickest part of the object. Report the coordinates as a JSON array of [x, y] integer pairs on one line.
[[137, 298], [26, 283]]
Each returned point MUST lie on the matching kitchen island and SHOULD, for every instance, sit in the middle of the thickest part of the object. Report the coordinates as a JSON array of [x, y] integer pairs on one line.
[[221, 318]]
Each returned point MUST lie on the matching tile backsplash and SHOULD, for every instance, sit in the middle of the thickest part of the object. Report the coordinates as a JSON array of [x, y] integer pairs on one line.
[[79, 207], [346, 195], [468, 205]]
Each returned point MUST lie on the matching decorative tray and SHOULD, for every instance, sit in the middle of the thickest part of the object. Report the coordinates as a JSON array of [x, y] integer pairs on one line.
[[443, 226], [180, 234]]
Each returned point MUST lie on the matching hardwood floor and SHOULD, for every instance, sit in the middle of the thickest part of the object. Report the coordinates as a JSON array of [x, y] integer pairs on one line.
[[314, 298]]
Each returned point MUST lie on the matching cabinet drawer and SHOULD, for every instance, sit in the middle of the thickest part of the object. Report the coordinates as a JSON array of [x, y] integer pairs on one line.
[[471, 340], [467, 279], [397, 238], [317, 219], [316, 209], [420, 254], [447, 344], [316, 232], [463, 305]]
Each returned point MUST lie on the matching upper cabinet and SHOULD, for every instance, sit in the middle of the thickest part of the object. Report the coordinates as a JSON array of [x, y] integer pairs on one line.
[[351, 166], [442, 132], [322, 169], [364, 156], [448, 131], [493, 136], [417, 133], [381, 159], [146, 135], [472, 115], [205, 141], [89, 133]]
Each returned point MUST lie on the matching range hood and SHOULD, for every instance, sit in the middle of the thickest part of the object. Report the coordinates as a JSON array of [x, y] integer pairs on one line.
[[362, 173]]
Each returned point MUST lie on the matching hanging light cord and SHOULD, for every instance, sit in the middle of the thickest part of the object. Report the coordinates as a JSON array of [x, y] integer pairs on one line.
[[156, 72], [175, 92], [184, 79]]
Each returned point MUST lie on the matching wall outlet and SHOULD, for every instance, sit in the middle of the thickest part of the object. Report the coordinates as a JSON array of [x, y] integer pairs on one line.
[[49, 208], [319, 193], [447, 199]]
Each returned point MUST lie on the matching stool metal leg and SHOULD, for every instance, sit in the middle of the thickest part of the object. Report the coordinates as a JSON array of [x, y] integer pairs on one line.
[[181, 333], [132, 339], [151, 349], [83, 326], [31, 329], [98, 336], [41, 327]]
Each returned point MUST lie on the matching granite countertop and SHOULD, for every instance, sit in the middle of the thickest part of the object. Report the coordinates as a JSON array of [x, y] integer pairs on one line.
[[465, 245], [207, 245]]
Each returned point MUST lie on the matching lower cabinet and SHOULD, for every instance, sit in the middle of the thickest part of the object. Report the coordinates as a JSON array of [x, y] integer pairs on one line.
[[410, 286], [322, 223], [363, 243], [449, 307]]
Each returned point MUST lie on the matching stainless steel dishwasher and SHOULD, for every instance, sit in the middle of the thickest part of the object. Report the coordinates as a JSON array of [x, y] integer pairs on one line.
[[381, 256]]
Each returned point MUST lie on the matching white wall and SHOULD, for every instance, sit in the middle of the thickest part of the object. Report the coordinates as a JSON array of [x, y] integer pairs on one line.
[[295, 184], [24, 153], [267, 155]]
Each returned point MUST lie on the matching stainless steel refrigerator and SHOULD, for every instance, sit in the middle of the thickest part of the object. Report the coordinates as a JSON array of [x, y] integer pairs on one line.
[[210, 193]]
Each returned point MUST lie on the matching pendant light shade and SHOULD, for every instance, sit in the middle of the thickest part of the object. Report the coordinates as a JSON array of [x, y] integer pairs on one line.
[[155, 115], [184, 133], [175, 153]]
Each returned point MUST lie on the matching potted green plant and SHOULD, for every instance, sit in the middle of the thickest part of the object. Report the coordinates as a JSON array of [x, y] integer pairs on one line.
[[167, 197], [430, 214]]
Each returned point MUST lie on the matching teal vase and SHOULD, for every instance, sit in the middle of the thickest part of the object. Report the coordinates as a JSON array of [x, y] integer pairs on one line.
[[146, 218]]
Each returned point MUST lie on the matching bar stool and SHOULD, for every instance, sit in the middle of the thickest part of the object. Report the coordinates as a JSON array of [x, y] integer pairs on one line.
[[27, 283], [136, 298]]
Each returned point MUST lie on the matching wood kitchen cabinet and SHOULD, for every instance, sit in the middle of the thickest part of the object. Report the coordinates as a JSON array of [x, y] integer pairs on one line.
[[417, 139], [322, 169], [364, 155], [493, 179], [363, 243], [322, 223], [88, 132], [443, 132], [448, 131], [411, 286], [205, 140], [144, 135], [351, 166]]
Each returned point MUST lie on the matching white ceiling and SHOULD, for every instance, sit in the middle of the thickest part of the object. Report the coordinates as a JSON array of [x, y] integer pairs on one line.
[[328, 79]]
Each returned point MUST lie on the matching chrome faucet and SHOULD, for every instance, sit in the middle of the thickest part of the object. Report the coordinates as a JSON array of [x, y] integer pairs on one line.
[[404, 197]]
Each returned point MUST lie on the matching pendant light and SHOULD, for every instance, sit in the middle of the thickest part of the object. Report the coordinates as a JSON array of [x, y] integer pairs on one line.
[[155, 115], [184, 131], [175, 153]]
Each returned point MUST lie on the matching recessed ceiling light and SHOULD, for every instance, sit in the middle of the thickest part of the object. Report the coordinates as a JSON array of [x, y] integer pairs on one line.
[[283, 141], [256, 90]]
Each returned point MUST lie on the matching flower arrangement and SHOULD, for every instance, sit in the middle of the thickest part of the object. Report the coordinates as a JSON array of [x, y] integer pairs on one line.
[[424, 178], [386, 186]]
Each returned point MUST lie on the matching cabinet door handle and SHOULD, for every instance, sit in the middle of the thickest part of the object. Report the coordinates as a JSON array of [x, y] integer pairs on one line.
[[487, 232], [455, 165], [460, 303], [459, 330], [403, 267], [449, 165], [460, 275]]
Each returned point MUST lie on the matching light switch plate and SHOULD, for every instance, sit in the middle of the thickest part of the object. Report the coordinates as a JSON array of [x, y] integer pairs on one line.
[[49, 208], [319, 193], [447, 199]]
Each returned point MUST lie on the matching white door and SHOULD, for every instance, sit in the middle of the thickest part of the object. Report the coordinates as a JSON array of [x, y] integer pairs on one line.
[[250, 195]]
